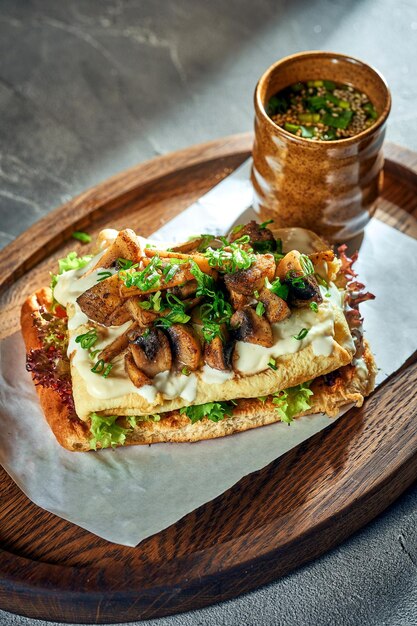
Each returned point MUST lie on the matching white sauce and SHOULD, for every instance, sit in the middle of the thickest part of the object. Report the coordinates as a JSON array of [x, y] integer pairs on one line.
[[173, 385], [361, 368], [211, 376], [252, 359]]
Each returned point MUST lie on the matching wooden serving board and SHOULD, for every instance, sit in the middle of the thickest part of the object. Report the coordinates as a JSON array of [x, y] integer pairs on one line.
[[272, 521]]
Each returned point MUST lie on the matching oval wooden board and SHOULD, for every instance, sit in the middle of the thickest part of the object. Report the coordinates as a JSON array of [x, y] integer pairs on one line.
[[270, 522]]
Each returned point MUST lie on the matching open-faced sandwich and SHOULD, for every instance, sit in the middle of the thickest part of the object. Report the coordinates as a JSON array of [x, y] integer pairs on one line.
[[142, 343]]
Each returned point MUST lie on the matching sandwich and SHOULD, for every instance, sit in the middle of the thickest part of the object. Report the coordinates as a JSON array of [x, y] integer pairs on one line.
[[141, 343]]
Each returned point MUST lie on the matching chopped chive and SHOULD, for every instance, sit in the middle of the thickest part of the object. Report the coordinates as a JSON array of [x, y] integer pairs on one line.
[[314, 307], [272, 364], [80, 236], [265, 224], [260, 309], [103, 276], [303, 332]]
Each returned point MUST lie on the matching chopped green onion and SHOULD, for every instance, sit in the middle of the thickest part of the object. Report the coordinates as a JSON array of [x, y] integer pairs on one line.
[[260, 309], [80, 236], [265, 224], [103, 276], [278, 288], [87, 340], [314, 307], [185, 371], [272, 364], [303, 332]]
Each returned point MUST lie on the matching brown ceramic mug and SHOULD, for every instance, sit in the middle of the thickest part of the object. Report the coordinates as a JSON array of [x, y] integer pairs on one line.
[[329, 187]]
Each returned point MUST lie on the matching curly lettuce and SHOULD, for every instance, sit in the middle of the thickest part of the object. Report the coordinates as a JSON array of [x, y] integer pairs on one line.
[[292, 401]]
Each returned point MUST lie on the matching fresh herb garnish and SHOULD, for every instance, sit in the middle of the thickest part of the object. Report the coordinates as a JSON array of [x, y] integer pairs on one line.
[[265, 224], [314, 307], [124, 264], [144, 279], [306, 264], [102, 368], [303, 332], [214, 314], [185, 371], [87, 340], [214, 411], [260, 309], [103, 276], [231, 257], [272, 364], [278, 288], [80, 236]]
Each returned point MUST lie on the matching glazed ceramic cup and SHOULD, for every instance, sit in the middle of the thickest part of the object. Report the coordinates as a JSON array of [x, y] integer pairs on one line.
[[329, 187]]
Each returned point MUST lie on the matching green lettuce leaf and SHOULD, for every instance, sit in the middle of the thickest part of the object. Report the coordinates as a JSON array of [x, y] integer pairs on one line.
[[292, 401], [214, 411], [71, 262], [106, 432]]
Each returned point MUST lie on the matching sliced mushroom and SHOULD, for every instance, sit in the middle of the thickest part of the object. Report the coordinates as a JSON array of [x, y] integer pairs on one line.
[[116, 347], [252, 279], [152, 353], [138, 378], [100, 301], [142, 316], [125, 246], [252, 328], [238, 300], [186, 290], [120, 316], [290, 263], [186, 348], [260, 239], [276, 309], [218, 353], [303, 290]]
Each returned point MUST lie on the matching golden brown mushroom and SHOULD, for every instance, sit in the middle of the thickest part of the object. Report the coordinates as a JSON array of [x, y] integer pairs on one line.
[[252, 328], [138, 378], [152, 353], [186, 348]]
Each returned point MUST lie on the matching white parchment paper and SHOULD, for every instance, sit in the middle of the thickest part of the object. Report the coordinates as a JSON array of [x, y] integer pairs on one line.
[[128, 494]]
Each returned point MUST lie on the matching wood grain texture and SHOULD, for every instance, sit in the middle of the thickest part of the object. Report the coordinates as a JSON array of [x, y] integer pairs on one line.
[[271, 521]]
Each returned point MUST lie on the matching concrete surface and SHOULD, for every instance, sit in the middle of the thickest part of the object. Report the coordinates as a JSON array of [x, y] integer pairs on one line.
[[88, 88]]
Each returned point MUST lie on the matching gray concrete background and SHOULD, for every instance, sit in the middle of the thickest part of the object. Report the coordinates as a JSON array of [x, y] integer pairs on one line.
[[88, 88]]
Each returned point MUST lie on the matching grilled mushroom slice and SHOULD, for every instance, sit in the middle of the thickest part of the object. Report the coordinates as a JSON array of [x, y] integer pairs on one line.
[[138, 378], [100, 301], [218, 354], [290, 263], [152, 353], [260, 239], [186, 348], [117, 346], [276, 309], [303, 290], [142, 316], [252, 279], [238, 300], [252, 328], [186, 290], [125, 246]]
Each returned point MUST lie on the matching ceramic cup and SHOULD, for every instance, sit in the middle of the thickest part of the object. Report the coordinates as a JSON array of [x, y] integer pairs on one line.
[[329, 187]]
